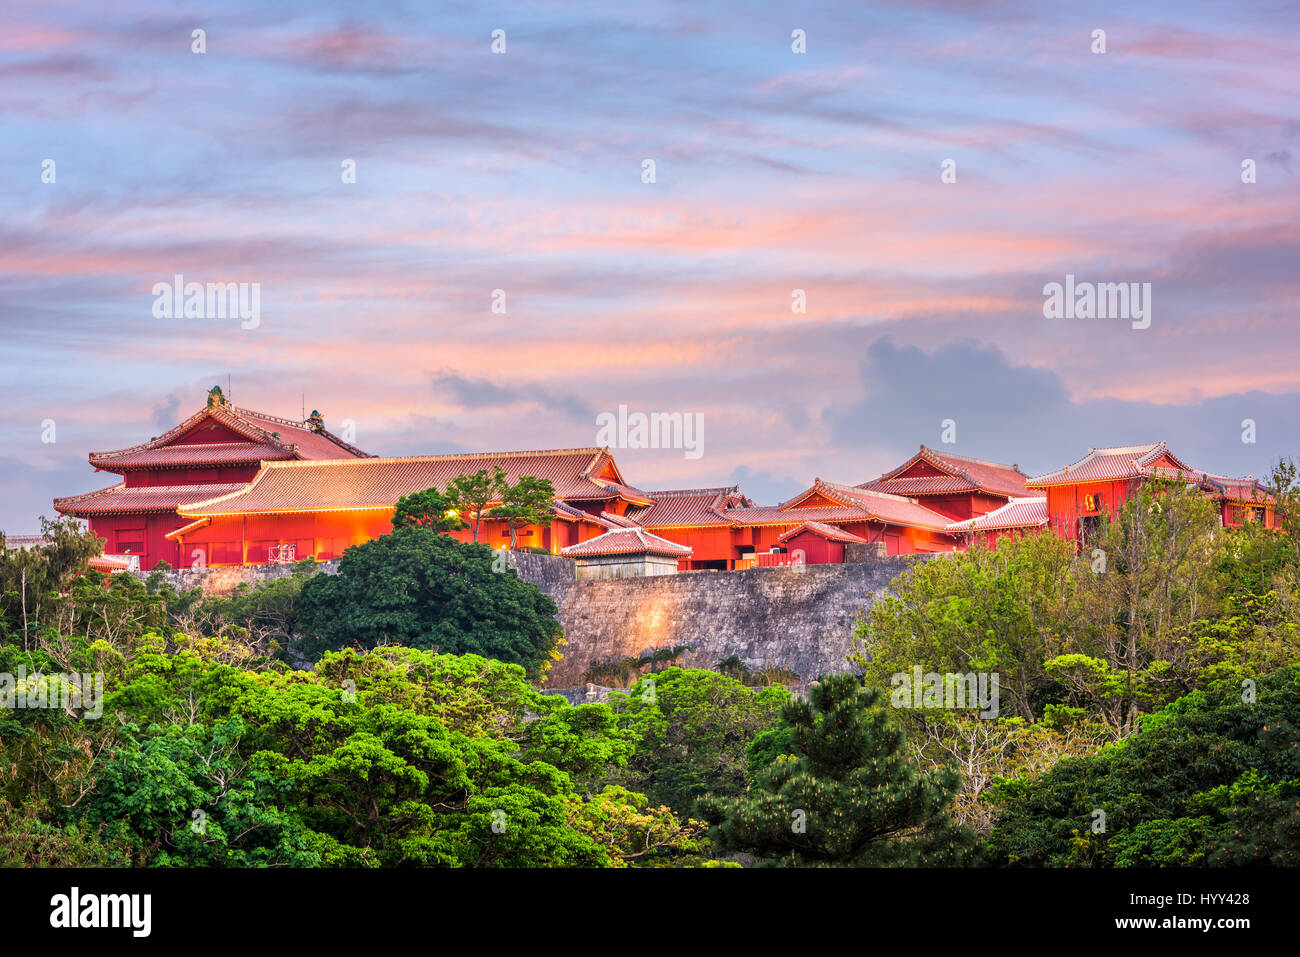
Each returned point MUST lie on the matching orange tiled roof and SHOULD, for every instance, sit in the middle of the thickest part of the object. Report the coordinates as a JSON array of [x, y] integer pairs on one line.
[[878, 506], [1017, 513], [118, 499], [377, 483], [617, 521], [627, 492], [626, 541], [213, 453], [960, 473], [775, 515], [1113, 464], [107, 563], [686, 507], [828, 532], [268, 437], [568, 513]]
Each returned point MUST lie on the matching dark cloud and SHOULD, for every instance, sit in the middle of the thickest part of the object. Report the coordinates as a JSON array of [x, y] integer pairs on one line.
[[764, 488], [166, 413], [1023, 415], [482, 394]]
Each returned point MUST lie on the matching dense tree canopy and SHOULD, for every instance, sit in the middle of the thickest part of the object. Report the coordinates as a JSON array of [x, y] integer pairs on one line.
[[845, 794], [1212, 779], [420, 588], [693, 728]]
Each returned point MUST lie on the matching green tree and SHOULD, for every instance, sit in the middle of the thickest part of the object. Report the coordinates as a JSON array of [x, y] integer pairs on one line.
[[419, 588], [473, 494], [530, 501], [429, 509], [1006, 611], [1212, 779], [846, 795], [693, 728]]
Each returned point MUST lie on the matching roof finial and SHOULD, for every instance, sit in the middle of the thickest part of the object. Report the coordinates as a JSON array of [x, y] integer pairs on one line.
[[316, 421], [216, 397]]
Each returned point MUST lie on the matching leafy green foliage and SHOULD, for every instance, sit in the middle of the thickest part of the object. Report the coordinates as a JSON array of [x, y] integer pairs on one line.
[[1211, 779], [529, 501], [419, 588], [472, 494], [693, 728], [428, 509], [847, 794]]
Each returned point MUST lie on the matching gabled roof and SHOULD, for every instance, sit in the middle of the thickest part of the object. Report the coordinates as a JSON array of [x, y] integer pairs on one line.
[[877, 506], [626, 541], [1113, 464], [120, 500], [266, 438], [958, 473], [687, 507], [828, 532], [1017, 513], [377, 483]]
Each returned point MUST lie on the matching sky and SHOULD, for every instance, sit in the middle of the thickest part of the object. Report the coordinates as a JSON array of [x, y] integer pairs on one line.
[[520, 178]]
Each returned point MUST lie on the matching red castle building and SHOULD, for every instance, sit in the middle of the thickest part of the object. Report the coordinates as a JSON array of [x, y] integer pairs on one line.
[[217, 450], [230, 486]]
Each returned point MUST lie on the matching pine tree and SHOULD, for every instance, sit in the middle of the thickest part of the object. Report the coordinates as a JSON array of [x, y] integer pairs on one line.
[[848, 795]]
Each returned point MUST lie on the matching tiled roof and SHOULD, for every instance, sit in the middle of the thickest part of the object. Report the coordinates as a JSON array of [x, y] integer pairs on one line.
[[1017, 513], [377, 483], [617, 521], [296, 440], [118, 499], [828, 532], [626, 541], [568, 513], [107, 563], [684, 507], [605, 486], [910, 485], [184, 530], [961, 473], [775, 515], [214, 453], [881, 506], [1221, 487], [1113, 464]]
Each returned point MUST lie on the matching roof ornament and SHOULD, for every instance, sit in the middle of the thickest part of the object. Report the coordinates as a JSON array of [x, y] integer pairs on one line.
[[316, 421], [216, 397]]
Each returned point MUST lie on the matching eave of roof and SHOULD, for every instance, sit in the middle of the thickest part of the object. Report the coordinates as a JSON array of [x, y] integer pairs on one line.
[[120, 500], [828, 532], [626, 541], [1028, 512]]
